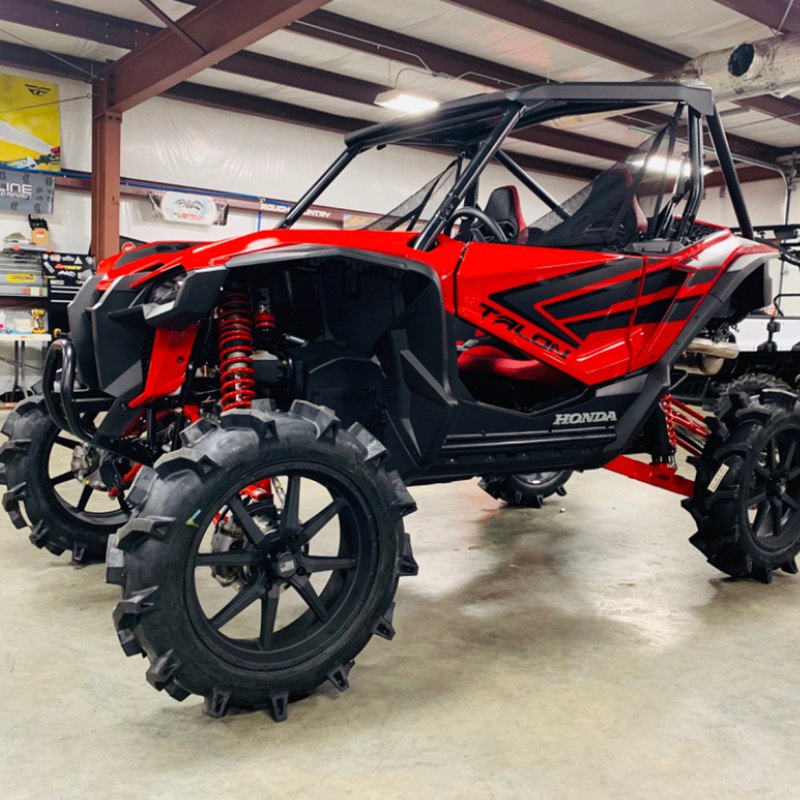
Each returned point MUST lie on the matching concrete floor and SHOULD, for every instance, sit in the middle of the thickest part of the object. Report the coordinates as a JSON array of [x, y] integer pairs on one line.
[[583, 653]]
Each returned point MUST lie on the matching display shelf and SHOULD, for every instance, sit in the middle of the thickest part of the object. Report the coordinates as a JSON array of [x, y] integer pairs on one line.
[[24, 337]]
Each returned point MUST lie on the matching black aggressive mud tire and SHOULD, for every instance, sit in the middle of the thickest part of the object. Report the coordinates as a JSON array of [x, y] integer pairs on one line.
[[746, 500], [752, 384], [24, 464], [526, 490], [158, 615]]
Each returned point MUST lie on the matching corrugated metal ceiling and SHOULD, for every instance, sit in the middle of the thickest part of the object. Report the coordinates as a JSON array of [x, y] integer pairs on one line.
[[690, 27]]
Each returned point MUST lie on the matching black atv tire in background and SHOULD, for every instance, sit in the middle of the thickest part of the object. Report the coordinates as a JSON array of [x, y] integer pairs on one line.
[[751, 383], [168, 566], [526, 490], [57, 525], [746, 500]]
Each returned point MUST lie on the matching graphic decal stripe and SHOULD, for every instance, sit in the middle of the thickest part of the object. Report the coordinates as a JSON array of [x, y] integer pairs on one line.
[[599, 300], [663, 279], [683, 309], [654, 312], [524, 301], [702, 276], [583, 328]]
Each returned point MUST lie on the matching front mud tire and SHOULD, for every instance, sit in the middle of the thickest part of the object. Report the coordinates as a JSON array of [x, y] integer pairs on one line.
[[746, 500], [55, 525], [158, 615]]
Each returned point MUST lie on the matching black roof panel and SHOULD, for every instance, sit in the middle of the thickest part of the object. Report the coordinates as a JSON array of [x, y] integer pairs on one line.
[[472, 117]]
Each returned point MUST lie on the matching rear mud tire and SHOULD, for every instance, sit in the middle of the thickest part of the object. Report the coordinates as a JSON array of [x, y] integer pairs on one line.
[[24, 469], [526, 490], [181, 496], [752, 384], [746, 500]]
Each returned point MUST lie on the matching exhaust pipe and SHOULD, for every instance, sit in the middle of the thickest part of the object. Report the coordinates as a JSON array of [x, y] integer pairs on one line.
[[707, 357], [708, 347]]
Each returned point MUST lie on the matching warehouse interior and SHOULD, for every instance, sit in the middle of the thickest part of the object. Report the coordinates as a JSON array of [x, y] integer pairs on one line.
[[571, 645]]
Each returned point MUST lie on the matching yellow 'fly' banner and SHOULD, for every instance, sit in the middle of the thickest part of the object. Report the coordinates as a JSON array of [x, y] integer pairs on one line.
[[30, 125]]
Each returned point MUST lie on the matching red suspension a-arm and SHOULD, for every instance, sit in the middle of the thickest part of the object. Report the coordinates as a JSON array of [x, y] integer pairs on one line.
[[686, 428]]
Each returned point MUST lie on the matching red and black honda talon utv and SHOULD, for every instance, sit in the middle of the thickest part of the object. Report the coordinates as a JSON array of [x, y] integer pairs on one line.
[[328, 370]]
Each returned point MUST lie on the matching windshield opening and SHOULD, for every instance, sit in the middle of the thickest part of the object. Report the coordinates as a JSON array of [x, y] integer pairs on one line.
[[412, 213]]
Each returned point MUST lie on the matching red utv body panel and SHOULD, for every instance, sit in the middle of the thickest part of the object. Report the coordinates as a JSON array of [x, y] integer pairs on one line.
[[592, 316]]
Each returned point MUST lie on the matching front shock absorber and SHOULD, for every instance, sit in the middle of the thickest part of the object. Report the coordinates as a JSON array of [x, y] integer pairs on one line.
[[237, 376], [264, 318]]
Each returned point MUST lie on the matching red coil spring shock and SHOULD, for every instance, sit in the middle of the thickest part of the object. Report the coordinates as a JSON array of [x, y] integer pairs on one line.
[[669, 419], [237, 376], [264, 318]]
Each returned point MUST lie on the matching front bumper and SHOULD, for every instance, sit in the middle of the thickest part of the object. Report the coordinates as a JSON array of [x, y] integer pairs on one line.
[[67, 404], [73, 407]]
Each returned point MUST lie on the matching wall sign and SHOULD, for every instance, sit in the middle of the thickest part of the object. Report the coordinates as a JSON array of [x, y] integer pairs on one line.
[[30, 124], [26, 192], [196, 209]]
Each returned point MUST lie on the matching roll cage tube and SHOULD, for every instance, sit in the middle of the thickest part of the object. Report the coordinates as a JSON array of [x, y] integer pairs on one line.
[[322, 183], [530, 184], [697, 177], [729, 173], [486, 152]]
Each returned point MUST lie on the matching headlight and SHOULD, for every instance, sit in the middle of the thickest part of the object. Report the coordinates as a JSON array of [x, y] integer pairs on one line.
[[166, 291]]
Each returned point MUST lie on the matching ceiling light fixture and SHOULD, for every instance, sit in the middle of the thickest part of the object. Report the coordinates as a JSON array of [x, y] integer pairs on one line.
[[669, 167], [408, 103]]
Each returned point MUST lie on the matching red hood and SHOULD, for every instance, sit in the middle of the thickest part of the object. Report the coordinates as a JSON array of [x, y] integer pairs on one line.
[[443, 258]]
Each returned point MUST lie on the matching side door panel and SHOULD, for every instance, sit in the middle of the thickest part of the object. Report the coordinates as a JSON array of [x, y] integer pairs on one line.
[[594, 316], [568, 308]]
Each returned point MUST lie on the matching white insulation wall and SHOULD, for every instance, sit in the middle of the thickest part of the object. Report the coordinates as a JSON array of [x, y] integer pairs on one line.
[[173, 142], [192, 146]]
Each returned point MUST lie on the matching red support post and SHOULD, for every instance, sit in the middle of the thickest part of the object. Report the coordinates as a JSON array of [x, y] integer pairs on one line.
[[106, 189]]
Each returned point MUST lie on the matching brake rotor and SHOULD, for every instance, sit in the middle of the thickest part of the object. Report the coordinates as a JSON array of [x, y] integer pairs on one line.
[[95, 468]]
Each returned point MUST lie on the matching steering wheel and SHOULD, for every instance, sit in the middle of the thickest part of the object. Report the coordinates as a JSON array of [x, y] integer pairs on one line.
[[483, 218]]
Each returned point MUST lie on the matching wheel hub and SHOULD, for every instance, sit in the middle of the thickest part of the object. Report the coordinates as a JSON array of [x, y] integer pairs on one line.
[[284, 565], [95, 468], [228, 536], [778, 486]]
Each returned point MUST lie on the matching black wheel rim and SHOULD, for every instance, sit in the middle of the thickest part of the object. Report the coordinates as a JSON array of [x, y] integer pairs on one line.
[[279, 561], [773, 493], [538, 478], [78, 500]]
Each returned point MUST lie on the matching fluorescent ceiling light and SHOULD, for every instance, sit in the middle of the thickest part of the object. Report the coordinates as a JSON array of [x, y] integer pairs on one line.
[[670, 167], [408, 103]]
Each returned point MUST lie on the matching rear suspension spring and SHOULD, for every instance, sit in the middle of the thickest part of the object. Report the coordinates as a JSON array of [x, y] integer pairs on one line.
[[669, 420]]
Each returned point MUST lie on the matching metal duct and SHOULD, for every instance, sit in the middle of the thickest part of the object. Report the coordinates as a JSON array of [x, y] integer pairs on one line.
[[768, 66]]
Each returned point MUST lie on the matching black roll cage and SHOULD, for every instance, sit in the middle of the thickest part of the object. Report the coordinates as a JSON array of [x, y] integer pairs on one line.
[[490, 118]]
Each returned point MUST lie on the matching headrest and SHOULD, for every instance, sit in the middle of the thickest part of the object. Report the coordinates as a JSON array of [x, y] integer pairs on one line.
[[503, 207]]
